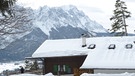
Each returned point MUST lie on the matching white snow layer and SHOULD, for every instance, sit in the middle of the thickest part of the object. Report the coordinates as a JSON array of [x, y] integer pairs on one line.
[[117, 58], [123, 74], [62, 47], [10, 66], [84, 74], [49, 74]]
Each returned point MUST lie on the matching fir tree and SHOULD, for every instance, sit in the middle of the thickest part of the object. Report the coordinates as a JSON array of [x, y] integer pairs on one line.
[[119, 26]]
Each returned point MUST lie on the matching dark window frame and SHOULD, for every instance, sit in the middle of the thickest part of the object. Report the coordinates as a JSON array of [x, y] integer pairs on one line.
[[128, 46], [92, 46], [112, 46]]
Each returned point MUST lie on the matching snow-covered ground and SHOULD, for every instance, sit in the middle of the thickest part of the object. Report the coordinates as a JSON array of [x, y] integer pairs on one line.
[[99, 74], [16, 65], [49, 74], [84, 74], [11, 66]]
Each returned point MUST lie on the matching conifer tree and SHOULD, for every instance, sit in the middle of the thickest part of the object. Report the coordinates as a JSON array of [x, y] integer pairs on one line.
[[119, 26], [5, 7]]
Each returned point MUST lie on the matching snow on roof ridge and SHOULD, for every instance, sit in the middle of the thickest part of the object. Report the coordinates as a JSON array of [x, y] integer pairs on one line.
[[74, 45]]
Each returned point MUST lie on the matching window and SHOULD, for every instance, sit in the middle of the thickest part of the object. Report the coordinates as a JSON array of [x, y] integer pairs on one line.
[[129, 46], [92, 46], [62, 68], [112, 46], [56, 68]]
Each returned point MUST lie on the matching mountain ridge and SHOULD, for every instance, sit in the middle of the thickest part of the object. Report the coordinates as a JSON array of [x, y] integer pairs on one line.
[[50, 23], [57, 17]]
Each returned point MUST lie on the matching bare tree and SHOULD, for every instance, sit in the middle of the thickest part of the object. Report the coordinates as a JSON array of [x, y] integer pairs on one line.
[[5, 7], [19, 23], [11, 27]]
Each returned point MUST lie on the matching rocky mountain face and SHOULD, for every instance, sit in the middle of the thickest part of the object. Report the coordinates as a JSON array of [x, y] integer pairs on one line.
[[49, 23]]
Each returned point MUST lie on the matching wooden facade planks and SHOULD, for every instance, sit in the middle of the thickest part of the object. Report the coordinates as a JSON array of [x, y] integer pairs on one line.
[[78, 72], [63, 65]]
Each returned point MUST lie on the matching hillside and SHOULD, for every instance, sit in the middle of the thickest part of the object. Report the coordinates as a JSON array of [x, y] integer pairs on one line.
[[48, 23]]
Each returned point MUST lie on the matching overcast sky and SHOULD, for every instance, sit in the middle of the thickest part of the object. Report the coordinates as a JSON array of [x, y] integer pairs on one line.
[[97, 10]]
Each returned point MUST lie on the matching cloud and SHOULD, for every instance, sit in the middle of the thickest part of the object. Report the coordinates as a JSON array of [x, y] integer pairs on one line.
[[91, 9], [95, 9], [129, 0]]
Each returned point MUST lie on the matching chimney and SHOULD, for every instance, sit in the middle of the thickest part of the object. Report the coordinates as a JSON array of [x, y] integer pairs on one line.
[[84, 40]]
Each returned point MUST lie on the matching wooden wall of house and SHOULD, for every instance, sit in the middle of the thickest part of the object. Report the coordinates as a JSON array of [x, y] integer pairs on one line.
[[63, 65], [78, 72]]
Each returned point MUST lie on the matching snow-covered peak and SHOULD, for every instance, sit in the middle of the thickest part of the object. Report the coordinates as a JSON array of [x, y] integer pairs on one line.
[[69, 7], [54, 17]]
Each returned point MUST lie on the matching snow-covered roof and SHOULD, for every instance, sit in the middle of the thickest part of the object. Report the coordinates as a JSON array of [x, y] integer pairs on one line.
[[118, 58], [99, 54], [61, 47]]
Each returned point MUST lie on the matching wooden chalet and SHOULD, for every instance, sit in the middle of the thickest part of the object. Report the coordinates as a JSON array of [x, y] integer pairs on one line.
[[76, 56], [64, 56]]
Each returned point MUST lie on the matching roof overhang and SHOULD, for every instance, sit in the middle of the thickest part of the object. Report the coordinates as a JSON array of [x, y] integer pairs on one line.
[[52, 57], [33, 58]]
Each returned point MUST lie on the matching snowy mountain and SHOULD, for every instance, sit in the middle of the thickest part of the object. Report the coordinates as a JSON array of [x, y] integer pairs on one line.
[[48, 23], [65, 16]]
